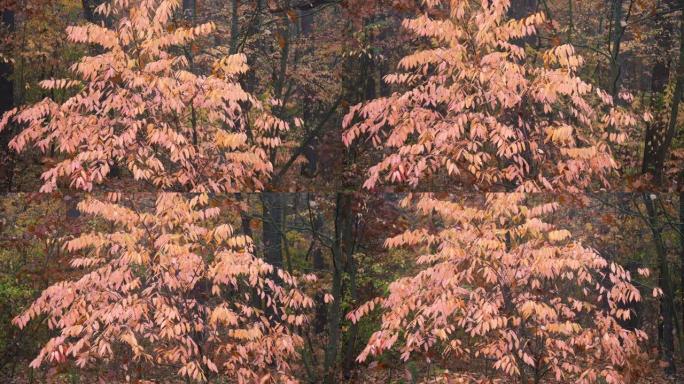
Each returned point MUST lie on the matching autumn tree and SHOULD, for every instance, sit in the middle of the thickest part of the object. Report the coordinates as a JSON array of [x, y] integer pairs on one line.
[[506, 293], [477, 106], [138, 105], [173, 286], [498, 289]]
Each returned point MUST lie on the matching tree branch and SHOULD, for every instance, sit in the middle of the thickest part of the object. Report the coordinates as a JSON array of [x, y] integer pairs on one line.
[[312, 135]]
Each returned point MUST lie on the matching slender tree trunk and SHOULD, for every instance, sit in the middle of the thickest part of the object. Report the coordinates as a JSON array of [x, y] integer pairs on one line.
[[656, 128], [659, 77], [272, 211], [358, 87], [245, 221], [252, 29], [281, 76], [189, 13], [319, 266], [350, 345], [666, 301], [306, 17], [342, 250], [309, 150], [671, 131], [256, 20], [272, 204], [6, 103], [6, 69], [681, 248], [571, 21], [334, 316], [234, 26], [618, 31], [321, 307], [368, 67], [6, 84], [284, 42]]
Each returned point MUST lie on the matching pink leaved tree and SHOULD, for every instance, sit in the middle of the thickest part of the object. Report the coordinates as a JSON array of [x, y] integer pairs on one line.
[[507, 295], [137, 105], [172, 287], [474, 105]]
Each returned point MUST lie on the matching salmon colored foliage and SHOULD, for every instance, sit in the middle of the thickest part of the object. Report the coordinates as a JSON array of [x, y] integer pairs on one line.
[[502, 290], [172, 286], [500, 293], [478, 106], [138, 105], [498, 290]]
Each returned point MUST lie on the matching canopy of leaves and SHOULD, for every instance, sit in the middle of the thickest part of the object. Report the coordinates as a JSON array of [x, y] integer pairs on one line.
[[476, 105], [500, 285], [138, 105], [172, 286]]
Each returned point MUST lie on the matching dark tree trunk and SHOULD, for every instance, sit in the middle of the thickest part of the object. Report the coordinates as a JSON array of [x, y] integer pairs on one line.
[[656, 130], [334, 316], [660, 75], [310, 149], [342, 250], [6, 84], [234, 26], [671, 131], [280, 76], [618, 32], [667, 300], [273, 225], [252, 29], [319, 266], [272, 210], [6, 103], [321, 307], [350, 344], [681, 248], [306, 17]]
